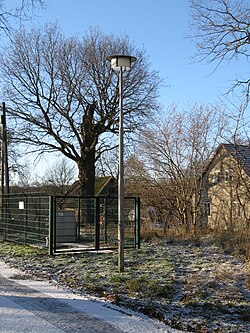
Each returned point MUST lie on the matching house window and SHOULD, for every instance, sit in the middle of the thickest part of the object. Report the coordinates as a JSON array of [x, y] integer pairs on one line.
[[228, 175], [207, 208], [216, 177]]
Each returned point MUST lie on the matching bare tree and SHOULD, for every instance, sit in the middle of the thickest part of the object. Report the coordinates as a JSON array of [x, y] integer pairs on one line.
[[59, 176], [19, 12], [21, 176], [222, 33], [107, 164], [176, 150], [64, 95]]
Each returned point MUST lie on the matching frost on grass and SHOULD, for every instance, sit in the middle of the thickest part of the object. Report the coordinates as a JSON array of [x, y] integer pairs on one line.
[[190, 286]]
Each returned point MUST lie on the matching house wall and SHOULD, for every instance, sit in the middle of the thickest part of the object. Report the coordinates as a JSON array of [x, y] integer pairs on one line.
[[226, 194]]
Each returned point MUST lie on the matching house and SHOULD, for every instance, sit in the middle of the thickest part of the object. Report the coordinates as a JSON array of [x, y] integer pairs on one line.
[[226, 188], [104, 186]]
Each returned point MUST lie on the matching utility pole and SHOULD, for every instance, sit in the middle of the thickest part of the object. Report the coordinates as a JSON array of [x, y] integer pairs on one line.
[[4, 152]]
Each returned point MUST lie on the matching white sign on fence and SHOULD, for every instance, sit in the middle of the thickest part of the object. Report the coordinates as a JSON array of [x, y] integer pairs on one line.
[[21, 204]]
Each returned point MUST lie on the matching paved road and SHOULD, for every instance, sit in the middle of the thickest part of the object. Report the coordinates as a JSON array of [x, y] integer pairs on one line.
[[23, 309], [35, 306]]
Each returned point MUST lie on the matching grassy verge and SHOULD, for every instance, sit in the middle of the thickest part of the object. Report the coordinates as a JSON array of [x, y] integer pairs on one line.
[[147, 274], [189, 285]]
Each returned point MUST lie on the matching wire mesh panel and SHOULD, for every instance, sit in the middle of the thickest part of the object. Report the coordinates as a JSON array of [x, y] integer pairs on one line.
[[68, 223], [25, 218], [109, 221], [92, 223], [74, 222]]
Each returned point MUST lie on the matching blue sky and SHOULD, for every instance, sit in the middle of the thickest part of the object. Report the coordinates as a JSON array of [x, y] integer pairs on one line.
[[160, 26]]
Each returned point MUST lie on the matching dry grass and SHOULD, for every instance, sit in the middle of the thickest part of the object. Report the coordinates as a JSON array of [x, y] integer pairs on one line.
[[232, 242], [151, 231], [236, 243]]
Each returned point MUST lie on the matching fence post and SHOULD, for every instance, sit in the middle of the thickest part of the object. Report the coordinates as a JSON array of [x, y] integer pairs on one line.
[[137, 222], [78, 219], [97, 223], [4, 220], [25, 218], [51, 225], [106, 220]]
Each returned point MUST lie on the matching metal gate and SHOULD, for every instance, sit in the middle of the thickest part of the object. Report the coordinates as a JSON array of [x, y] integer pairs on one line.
[[66, 224], [84, 223]]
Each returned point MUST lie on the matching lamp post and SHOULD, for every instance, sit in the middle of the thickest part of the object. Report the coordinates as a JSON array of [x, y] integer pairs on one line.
[[121, 63]]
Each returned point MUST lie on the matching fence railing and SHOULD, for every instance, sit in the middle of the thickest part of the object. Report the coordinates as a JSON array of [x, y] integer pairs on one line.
[[68, 223], [25, 218], [92, 222]]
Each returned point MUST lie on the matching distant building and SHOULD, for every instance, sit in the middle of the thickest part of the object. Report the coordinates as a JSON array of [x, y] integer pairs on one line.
[[104, 186], [226, 188]]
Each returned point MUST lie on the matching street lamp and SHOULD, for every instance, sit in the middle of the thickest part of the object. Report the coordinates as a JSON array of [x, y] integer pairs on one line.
[[121, 63]]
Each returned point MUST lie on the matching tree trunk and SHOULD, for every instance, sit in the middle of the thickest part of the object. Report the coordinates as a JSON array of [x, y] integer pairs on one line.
[[86, 164], [86, 167]]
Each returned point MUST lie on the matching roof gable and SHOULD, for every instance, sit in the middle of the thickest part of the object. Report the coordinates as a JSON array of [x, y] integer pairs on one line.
[[101, 183], [240, 153], [101, 186]]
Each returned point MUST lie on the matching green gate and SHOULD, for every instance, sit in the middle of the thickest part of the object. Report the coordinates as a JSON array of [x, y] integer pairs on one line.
[[84, 223], [66, 224]]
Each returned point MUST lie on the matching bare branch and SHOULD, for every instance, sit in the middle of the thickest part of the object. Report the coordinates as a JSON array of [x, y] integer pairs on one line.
[[221, 31], [23, 11], [64, 95]]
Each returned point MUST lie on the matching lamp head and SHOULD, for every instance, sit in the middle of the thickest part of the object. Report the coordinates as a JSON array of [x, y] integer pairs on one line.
[[121, 61]]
